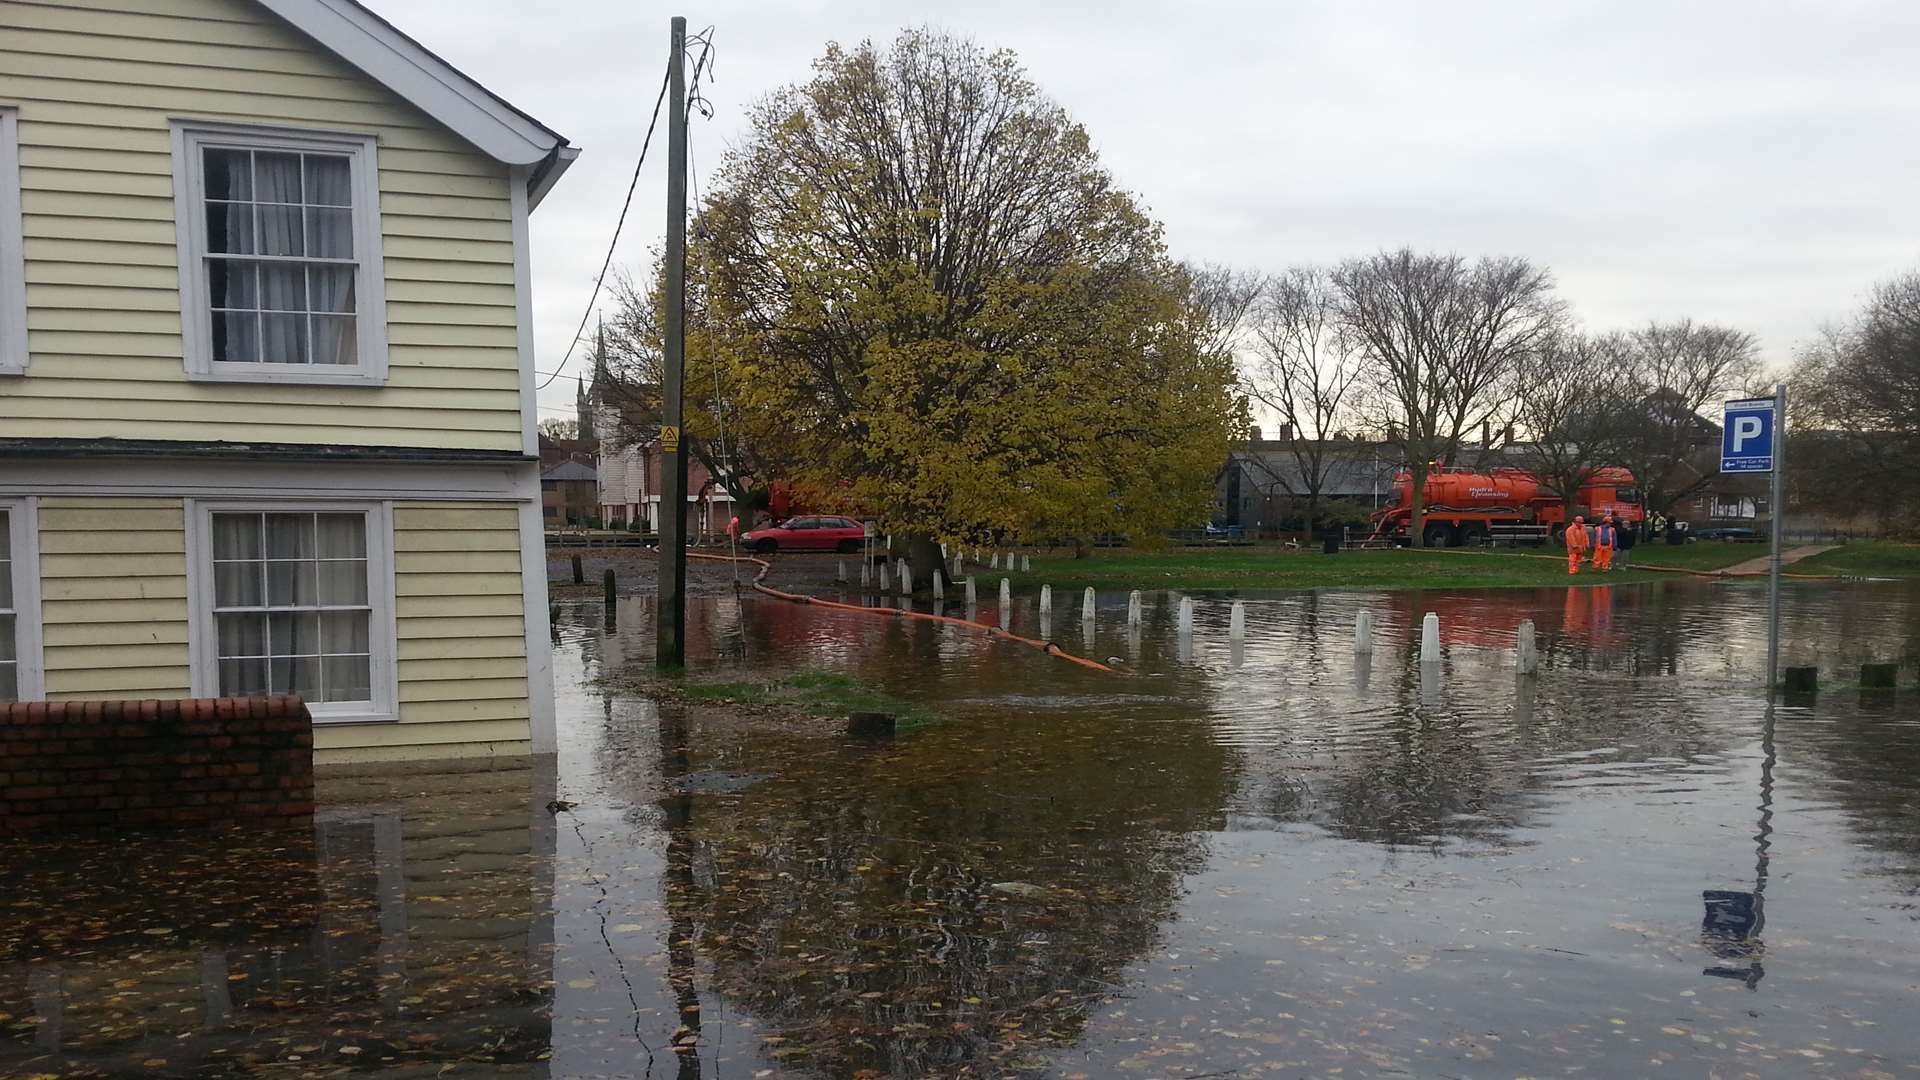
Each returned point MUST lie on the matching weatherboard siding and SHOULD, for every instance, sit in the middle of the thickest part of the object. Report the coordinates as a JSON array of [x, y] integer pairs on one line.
[[115, 619], [95, 83]]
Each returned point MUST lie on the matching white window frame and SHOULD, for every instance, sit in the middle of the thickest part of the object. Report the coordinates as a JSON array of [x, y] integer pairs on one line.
[[190, 137], [13, 255], [23, 529], [383, 632]]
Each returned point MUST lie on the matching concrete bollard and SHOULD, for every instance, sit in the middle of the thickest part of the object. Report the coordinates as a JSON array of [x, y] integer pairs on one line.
[[1237, 621], [1186, 616], [1134, 614], [1087, 606], [939, 588], [959, 571], [1363, 634], [609, 590], [1006, 594], [840, 571], [866, 573], [1800, 680], [1527, 654], [1026, 565], [579, 572], [906, 578], [995, 563], [1430, 639], [1879, 676], [1046, 599], [972, 597]]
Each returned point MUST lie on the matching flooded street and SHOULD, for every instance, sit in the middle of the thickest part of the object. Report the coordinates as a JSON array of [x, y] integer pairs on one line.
[[1266, 859]]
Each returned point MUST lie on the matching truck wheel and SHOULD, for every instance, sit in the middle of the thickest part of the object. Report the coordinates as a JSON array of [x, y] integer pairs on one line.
[[1437, 534]]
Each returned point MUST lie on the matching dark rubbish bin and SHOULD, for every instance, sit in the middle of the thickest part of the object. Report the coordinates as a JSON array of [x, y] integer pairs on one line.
[[1330, 543]]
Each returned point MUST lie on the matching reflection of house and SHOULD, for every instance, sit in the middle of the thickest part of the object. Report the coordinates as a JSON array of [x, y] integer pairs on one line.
[[568, 494], [273, 429]]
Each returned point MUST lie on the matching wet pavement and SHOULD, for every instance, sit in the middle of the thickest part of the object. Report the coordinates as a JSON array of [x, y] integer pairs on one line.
[[1269, 860]]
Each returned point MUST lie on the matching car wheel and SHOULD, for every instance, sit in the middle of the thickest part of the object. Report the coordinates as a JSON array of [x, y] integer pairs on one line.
[[766, 547], [849, 547]]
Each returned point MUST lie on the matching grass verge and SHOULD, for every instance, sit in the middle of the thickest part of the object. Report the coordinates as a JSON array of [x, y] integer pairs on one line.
[[1864, 558], [1282, 568], [809, 692]]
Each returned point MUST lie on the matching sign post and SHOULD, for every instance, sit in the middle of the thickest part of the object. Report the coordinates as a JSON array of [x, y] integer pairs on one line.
[[1753, 439]]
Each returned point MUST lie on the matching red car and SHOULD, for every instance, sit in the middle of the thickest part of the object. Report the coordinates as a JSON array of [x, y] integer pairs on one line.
[[807, 534]]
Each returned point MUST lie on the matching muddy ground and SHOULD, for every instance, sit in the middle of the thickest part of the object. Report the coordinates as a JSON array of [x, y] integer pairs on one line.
[[635, 571]]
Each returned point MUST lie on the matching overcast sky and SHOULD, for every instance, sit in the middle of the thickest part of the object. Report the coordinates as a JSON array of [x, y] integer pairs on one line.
[[1745, 162]]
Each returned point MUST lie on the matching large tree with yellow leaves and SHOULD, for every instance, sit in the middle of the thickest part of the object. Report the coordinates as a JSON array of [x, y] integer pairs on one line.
[[927, 292]]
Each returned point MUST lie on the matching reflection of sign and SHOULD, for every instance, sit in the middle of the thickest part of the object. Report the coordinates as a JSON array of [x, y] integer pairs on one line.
[[1746, 439], [670, 439]]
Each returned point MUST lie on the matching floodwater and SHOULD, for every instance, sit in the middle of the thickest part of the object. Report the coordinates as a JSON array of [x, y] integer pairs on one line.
[[1271, 859]]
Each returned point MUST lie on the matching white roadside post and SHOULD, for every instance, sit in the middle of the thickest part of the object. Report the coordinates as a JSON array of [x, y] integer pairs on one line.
[[973, 597], [1186, 616], [1134, 612], [1237, 621], [939, 588], [1046, 599], [1430, 639], [1527, 655], [1087, 606], [1363, 634]]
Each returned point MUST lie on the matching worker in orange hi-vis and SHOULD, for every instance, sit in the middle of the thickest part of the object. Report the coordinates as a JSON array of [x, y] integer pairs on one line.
[[1577, 541], [1604, 538]]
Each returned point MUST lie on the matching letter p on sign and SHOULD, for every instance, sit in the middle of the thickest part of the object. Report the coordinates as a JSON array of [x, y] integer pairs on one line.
[[1746, 438]]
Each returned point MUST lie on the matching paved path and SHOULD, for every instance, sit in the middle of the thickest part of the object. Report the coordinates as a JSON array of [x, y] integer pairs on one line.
[[1793, 555]]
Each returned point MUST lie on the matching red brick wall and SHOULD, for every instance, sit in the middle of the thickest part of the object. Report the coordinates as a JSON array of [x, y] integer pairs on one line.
[[101, 763]]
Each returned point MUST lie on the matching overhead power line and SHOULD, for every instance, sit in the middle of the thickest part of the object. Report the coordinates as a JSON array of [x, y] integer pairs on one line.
[[601, 278]]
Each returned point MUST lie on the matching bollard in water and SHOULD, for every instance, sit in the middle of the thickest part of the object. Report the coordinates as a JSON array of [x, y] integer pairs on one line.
[[906, 577], [1006, 594], [609, 592], [1800, 680], [1133, 608], [1086, 606], [939, 588], [866, 574], [1879, 676], [1237, 621], [1046, 599], [840, 571], [1186, 616], [1430, 639], [1527, 653], [1363, 634], [972, 597], [579, 572], [958, 570], [1026, 565]]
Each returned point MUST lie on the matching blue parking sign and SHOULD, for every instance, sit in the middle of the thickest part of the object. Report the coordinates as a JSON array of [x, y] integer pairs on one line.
[[1746, 437]]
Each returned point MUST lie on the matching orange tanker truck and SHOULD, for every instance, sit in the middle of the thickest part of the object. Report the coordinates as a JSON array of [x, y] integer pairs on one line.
[[1463, 506]]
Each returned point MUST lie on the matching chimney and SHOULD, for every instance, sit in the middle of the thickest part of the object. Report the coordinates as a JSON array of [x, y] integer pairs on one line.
[[1486, 433], [1506, 437], [1254, 435], [1286, 432]]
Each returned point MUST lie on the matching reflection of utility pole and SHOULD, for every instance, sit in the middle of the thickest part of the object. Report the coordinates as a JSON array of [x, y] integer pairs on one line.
[[677, 813], [670, 623], [1731, 929]]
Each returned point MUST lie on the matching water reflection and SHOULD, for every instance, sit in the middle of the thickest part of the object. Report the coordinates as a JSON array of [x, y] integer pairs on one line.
[[1269, 857]]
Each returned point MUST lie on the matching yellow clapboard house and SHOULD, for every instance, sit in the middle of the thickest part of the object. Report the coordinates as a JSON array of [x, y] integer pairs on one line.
[[267, 418]]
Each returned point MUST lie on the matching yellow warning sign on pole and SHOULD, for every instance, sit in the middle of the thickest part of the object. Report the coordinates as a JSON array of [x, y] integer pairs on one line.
[[669, 439]]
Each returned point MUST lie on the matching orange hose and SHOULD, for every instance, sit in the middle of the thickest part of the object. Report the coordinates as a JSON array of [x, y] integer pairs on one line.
[[759, 586]]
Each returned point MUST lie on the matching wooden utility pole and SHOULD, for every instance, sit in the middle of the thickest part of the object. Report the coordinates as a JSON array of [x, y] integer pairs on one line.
[[670, 649]]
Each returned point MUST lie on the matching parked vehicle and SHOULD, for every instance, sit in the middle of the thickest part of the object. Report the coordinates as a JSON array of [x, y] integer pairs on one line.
[[1730, 532], [807, 534], [1463, 505]]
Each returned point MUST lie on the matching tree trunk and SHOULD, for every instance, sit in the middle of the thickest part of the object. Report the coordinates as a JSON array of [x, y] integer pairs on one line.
[[1080, 548], [1313, 514], [923, 554], [1417, 519]]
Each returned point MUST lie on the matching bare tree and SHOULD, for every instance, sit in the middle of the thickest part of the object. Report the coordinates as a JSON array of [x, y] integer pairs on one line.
[[1227, 298], [1573, 401], [1439, 337], [1681, 367], [1307, 364], [1856, 409]]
